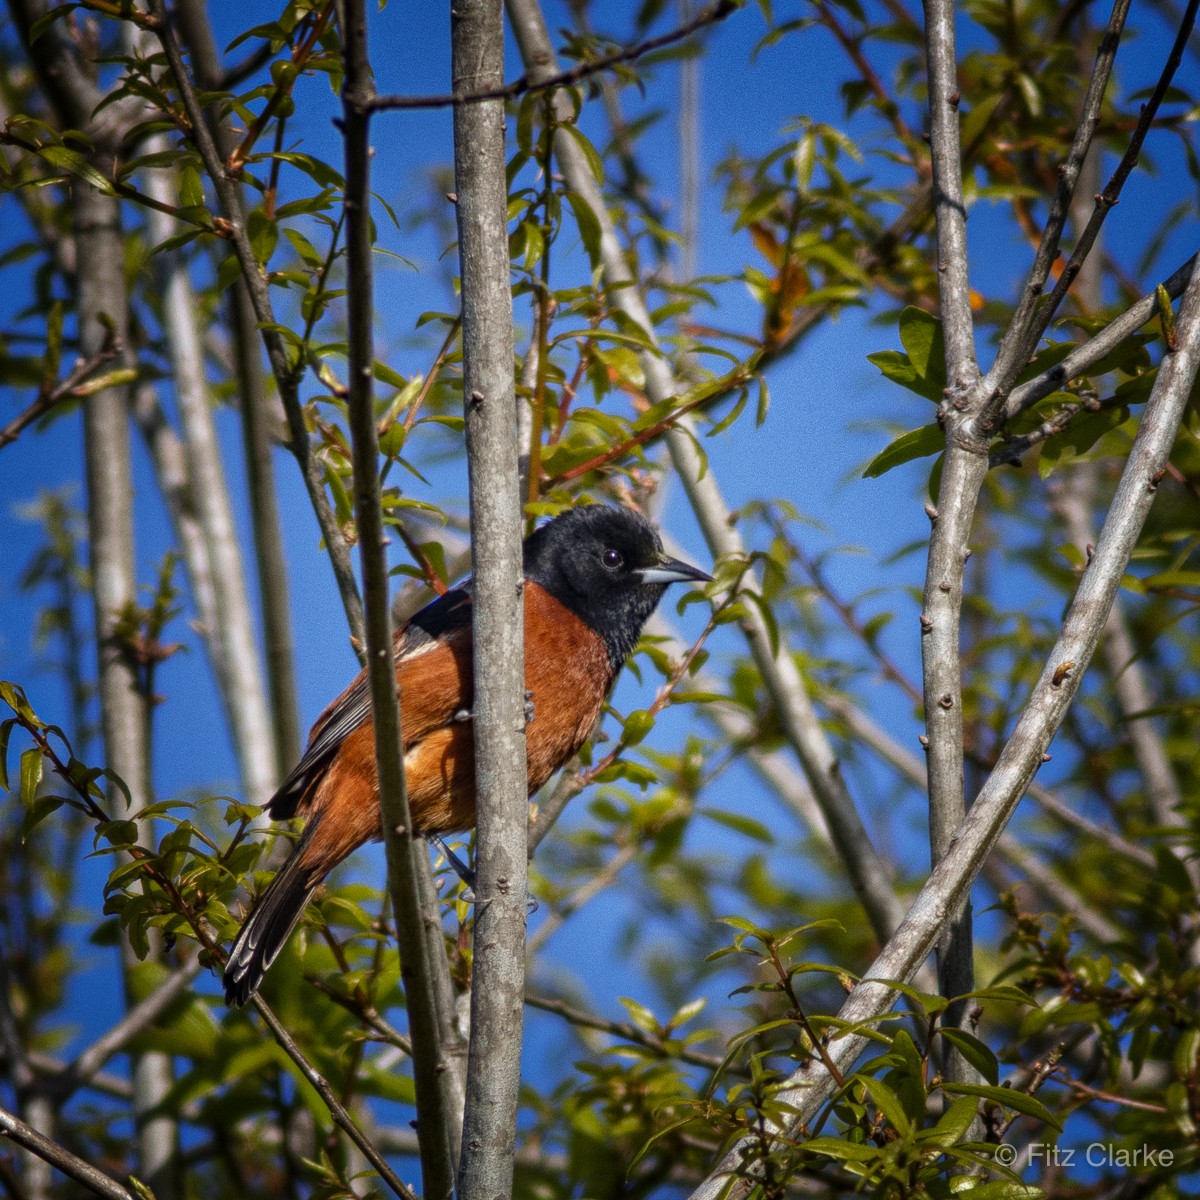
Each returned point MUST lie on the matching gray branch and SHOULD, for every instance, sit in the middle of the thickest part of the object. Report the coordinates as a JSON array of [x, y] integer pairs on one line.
[[950, 881], [232, 639], [69, 1164], [501, 788], [403, 848], [1025, 329], [948, 204], [124, 716]]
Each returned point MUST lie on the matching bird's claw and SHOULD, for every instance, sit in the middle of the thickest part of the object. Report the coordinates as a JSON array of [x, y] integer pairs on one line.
[[460, 868]]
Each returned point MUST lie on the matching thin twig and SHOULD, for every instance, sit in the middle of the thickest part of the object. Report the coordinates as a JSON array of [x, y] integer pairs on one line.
[[140, 1017], [337, 1110], [620, 1029], [523, 85], [72, 387], [602, 879], [1025, 329]]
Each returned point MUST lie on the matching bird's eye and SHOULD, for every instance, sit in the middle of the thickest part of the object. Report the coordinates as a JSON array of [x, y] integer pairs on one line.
[[612, 559]]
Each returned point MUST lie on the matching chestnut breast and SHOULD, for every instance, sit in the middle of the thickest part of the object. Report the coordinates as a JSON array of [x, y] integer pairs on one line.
[[568, 674]]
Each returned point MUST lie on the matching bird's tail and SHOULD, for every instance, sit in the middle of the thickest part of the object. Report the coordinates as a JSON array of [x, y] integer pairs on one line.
[[267, 928]]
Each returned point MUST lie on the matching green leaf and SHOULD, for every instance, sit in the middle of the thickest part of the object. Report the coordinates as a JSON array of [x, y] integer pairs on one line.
[[974, 1051], [922, 366], [917, 443], [888, 1103], [6, 728], [191, 189], [641, 1016], [742, 824], [72, 161], [1079, 437], [636, 726], [955, 1121], [263, 234], [921, 337], [1021, 1102], [38, 811], [595, 162], [54, 335], [47, 19], [31, 774], [588, 225]]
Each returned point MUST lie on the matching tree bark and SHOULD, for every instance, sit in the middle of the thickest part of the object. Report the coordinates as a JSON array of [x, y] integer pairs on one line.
[[489, 401]]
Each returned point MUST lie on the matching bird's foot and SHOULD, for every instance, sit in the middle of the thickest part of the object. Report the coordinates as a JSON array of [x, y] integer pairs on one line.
[[461, 869], [467, 874]]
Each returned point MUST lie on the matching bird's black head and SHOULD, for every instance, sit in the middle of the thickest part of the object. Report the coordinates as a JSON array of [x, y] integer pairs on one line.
[[606, 565]]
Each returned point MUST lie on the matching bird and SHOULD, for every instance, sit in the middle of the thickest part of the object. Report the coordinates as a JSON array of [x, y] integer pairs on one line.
[[593, 575]]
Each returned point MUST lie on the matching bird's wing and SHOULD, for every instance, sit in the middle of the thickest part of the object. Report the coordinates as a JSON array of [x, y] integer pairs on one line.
[[441, 629]]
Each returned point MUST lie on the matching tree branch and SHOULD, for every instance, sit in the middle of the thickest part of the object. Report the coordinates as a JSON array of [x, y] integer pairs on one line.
[[964, 468], [525, 85], [73, 387], [437, 1166], [1087, 355], [69, 1164], [140, 1017], [337, 1110], [948, 204], [501, 787], [243, 693], [1025, 329], [1003, 373], [950, 881]]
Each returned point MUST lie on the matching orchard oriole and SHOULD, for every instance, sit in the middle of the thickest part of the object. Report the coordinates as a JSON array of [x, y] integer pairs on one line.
[[593, 575]]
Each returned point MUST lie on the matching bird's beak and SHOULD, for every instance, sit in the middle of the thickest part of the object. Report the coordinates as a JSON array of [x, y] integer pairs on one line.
[[671, 570]]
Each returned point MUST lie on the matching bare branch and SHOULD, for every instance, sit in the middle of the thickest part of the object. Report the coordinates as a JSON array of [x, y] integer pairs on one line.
[[1003, 373], [437, 1165], [619, 1029], [140, 1017], [604, 878], [337, 1110], [1080, 360], [72, 387], [124, 707], [1025, 329], [1128, 682], [964, 468], [948, 204], [232, 638], [69, 1164], [525, 85], [501, 786]]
